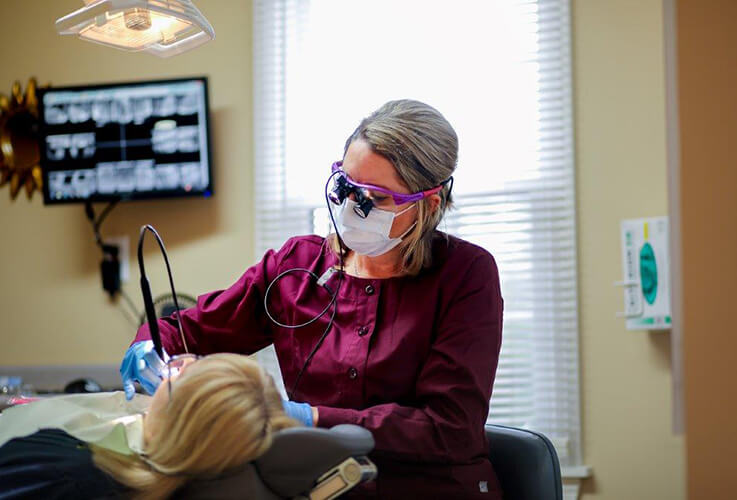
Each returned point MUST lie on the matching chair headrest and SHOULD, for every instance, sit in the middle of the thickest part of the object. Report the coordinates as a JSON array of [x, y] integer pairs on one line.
[[300, 455], [297, 457]]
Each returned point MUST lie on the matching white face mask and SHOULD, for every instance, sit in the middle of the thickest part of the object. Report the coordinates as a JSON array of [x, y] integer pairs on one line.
[[369, 236]]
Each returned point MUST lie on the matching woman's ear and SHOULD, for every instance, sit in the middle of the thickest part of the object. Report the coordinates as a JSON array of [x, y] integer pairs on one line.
[[434, 201]]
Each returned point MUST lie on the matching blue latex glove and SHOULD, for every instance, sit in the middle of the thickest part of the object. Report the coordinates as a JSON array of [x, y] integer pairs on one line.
[[141, 364], [298, 411]]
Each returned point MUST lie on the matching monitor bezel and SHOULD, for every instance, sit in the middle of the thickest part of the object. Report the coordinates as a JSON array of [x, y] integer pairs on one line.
[[150, 195]]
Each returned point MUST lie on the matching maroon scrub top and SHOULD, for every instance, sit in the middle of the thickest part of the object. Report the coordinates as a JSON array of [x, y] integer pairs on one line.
[[412, 359]]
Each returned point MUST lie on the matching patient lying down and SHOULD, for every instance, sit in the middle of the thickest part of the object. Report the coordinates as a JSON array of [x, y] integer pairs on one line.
[[222, 413]]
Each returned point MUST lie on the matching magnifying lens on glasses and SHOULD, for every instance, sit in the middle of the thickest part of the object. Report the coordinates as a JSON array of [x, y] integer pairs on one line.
[[345, 186]]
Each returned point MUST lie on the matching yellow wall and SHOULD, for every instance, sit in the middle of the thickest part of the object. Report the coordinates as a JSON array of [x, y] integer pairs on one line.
[[618, 75], [52, 309], [707, 79]]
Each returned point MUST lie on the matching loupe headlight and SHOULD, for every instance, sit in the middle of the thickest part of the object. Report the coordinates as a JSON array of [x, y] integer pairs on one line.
[[341, 190]]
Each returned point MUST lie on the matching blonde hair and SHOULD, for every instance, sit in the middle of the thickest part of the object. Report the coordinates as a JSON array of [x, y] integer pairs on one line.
[[423, 147], [223, 413]]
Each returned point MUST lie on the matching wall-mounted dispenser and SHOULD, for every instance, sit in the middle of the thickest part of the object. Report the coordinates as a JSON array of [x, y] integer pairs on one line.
[[646, 267]]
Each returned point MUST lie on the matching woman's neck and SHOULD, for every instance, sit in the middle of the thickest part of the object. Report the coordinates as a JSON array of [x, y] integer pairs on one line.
[[383, 266]]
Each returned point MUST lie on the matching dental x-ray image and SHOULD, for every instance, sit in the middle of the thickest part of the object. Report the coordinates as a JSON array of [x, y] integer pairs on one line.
[[125, 141]]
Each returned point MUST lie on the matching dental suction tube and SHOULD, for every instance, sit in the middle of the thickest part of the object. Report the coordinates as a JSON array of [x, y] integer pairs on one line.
[[148, 302]]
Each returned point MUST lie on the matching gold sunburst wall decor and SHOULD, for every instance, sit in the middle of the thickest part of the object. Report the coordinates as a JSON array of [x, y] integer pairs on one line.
[[19, 150]]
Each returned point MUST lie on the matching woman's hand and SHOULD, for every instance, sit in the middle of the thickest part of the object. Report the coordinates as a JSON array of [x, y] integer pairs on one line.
[[141, 364], [301, 412]]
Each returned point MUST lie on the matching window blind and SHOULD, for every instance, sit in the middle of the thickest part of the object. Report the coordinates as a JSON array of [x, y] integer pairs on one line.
[[500, 72]]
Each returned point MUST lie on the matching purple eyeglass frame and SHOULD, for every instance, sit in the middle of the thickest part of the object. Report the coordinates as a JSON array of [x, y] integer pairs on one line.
[[399, 198]]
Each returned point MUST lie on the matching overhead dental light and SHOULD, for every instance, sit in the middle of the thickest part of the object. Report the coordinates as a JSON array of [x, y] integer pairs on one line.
[[160, 27]]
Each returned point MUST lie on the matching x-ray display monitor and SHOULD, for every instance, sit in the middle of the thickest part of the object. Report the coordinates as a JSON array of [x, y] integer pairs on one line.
[[125, 141]]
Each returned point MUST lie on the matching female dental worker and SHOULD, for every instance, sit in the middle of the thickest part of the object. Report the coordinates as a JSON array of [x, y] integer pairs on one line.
[[408, 348]]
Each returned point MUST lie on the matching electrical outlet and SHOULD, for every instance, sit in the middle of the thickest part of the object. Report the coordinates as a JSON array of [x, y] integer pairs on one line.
[[123, 244]]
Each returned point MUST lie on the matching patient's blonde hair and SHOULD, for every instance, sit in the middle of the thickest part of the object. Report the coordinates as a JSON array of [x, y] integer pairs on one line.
[[223, 413]]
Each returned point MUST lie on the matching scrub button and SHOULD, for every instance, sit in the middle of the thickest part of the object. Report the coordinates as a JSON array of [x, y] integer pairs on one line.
[[363, 331], [369, 290], [352, 373]]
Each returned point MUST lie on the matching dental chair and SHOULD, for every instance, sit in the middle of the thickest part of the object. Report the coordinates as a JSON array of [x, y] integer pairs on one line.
[[318, 464], [302, 463]]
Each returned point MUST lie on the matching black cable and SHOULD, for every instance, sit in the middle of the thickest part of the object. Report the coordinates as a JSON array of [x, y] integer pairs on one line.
[[308, 322], [105, 213], [130, 303], [332, 219], [147, 298], [333, 301], [312, 353], [97, 223], [110, 265], [90, 213], [301, 269], [131, 319], [450, 190]]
